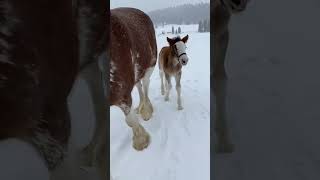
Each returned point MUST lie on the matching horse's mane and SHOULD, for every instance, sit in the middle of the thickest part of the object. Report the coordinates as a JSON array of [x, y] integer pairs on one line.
[[177, 38]]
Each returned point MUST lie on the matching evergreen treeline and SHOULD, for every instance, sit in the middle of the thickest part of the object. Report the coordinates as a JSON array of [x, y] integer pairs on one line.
[[183, 14], [204, 25]]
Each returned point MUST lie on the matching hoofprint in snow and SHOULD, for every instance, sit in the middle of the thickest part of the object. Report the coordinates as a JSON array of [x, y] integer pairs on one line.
[[180, 140]]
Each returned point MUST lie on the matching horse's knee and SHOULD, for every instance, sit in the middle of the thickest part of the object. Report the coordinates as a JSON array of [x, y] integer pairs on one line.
[[178, 86]]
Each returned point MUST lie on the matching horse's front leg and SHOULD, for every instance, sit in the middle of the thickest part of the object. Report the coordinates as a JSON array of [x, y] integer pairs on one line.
[[178, 88], [147, 109], [220, 90], [141, 138], [168, 86], [93, 77]]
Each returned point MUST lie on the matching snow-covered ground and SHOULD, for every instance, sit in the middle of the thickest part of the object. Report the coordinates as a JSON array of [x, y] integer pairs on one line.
[[180, 140]]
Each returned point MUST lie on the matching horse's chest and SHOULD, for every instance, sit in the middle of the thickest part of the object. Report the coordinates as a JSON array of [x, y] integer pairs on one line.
[[172, 70]]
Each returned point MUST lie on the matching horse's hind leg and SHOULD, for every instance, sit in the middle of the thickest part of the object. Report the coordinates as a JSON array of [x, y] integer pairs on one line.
[[141, 138], [146, 109], [178, 88]]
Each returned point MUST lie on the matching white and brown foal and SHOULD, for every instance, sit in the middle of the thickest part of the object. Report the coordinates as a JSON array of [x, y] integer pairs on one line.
[[171, 60]]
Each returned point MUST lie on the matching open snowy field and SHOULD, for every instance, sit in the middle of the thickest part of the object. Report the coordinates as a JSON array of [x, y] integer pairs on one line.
[[180, 140]]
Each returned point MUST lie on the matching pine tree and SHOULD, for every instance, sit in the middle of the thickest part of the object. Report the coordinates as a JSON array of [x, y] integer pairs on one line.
[[205, 25], [200, 27]]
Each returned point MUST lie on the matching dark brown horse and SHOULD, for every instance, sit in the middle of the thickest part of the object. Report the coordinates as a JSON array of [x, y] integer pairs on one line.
[[171, 60], [40, 58], [133, 57], [222, 11]]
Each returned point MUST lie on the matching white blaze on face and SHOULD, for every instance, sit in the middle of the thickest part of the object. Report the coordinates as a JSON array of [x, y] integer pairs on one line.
[[181, 49]]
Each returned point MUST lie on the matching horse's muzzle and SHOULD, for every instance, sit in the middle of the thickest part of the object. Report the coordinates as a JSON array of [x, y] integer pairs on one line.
[[184, 62]]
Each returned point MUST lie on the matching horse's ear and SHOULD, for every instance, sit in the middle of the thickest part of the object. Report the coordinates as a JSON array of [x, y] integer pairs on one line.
[[170, 41], [185, 39]]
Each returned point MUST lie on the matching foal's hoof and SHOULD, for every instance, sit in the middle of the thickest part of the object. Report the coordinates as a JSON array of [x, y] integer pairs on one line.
[[166, 98], [141, 139], [180, 108], [224, 148]]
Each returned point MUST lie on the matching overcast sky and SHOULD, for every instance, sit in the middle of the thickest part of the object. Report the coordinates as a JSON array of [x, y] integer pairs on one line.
[[149, 5]]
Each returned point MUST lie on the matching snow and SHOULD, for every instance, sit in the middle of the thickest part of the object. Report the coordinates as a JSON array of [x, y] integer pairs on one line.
[[180, 140]]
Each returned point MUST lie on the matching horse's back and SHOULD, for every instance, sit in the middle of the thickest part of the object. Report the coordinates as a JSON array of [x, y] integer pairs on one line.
[[140, 34], [133, 49]]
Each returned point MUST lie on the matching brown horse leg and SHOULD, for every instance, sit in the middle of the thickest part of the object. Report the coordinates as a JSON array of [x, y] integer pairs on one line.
[[93, 76], [141, 138], [168, 86], [178, 88], [220, 90], [146, 109], [161, 77]]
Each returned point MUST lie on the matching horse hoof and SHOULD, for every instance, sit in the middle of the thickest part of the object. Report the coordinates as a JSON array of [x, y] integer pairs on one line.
[[166, 99], [180, 108], [224, 148], [141, 140], [146, 112], [146, 116]]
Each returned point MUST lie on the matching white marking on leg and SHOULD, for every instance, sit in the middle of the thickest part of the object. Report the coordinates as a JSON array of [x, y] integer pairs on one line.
[[147, 109], [141, 96], [168, 87], [178, 88], [141, 138]]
